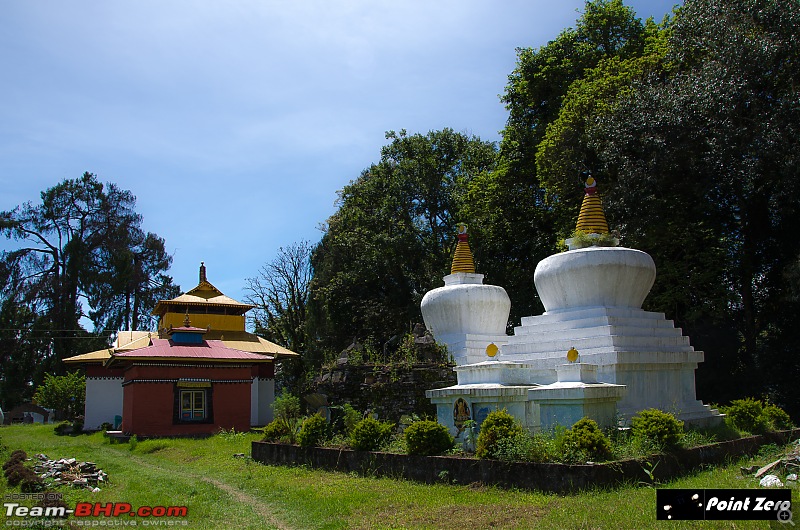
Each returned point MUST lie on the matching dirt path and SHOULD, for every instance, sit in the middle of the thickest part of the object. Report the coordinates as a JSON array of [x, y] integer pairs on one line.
[[258, 505]]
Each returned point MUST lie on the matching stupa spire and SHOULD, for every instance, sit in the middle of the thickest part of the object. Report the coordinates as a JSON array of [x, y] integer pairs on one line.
[[462, 260], [592, 220]]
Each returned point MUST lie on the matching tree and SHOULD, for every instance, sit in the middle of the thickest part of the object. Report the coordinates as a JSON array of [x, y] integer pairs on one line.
[[392, 236], [515, 222], [703, 164], [66, 393], [84, 241], [280, 296]]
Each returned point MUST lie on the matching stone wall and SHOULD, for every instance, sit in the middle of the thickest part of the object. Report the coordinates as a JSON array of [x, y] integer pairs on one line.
[[390, 390], [558, 478]]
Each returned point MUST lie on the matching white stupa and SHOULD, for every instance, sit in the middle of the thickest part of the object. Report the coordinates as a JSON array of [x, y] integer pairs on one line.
[[465, 314], [630, 359]]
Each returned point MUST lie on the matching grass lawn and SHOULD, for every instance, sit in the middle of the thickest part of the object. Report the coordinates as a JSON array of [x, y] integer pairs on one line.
[[221, 491]]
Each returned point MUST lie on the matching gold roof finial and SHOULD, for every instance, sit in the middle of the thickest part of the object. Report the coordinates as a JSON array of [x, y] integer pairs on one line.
[[186, 321], [592, 220], [462, 259], [203, 272]]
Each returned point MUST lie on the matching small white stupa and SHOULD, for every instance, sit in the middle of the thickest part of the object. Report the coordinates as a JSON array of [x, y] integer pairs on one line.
[[465, 314]]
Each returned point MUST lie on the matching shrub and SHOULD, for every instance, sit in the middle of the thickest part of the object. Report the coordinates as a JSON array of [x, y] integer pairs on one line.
[[77, 425], [133, 441], [777, 417], [286, 406], [350, 417], [498, 425], [62, 428], [519, 447], [658, 427], [748, 415], [585, 436], [16, 473], [370, 435], [314, 432], [31, 482], [17, 457], [427, 438], [106, 426], [274, 431]]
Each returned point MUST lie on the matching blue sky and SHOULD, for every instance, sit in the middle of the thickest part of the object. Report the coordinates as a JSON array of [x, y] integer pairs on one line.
[[235, 123]]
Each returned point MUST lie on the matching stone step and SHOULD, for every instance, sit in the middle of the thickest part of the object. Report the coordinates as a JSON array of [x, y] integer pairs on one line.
[[528, 333], [599, 344], [591, 312], [537, 326]]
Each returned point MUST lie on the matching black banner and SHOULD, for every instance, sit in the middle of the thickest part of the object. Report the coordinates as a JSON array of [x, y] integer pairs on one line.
[[724, 504]]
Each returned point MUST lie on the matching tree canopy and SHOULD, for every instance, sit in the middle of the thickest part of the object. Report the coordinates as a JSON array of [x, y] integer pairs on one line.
[[81, 254]]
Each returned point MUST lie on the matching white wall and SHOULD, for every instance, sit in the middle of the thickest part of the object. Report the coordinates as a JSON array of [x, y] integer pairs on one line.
[[103, 401], [262, 394]]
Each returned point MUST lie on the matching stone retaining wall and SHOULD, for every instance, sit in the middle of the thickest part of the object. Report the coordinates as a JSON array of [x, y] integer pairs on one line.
[[557, 478], [390, 391]]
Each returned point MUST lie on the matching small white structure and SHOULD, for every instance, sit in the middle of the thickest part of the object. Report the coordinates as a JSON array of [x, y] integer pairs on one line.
[[465, 314], [630, 359]]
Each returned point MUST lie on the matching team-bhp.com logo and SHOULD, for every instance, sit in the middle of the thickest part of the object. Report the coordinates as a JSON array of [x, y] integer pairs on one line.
[[25, 514]]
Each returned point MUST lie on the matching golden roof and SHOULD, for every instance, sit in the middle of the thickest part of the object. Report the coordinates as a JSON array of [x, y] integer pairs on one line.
[[591, 219], [98, 357], [462, 259], [205, 294]]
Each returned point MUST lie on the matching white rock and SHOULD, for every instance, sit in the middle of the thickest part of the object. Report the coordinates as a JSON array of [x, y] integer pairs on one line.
[[770, 481], [792, 476]]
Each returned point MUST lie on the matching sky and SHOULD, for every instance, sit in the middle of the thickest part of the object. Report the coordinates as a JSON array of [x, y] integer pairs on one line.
[[235, 123]]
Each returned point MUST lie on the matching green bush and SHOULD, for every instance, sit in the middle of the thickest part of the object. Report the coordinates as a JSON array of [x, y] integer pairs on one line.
[[519, 447], [427, 438], [62, 427], [370, 435], [274, 431], [350, 417], [286, 406], [657, 427], [748, 415], [314, 432], [777, 417], [586, 437], [498, 425], [77, 425]]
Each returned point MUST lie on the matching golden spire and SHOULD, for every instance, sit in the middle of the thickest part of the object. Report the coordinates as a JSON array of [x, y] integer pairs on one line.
[[203, 272], [592, 220], [186, 322], [462, 260]]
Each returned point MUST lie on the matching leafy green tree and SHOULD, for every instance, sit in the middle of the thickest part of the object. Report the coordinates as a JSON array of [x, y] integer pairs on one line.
[[84, 241], [514, 221], [65, 393], [392, 236], [701, 165]]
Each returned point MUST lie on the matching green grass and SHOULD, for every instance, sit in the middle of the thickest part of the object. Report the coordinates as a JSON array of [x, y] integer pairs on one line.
[[221, 491]]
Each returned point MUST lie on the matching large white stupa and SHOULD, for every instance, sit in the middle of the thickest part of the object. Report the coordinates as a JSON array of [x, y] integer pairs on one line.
[[628, 359]]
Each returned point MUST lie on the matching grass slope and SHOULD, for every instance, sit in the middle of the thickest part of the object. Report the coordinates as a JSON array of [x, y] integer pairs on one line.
[[221, 491]]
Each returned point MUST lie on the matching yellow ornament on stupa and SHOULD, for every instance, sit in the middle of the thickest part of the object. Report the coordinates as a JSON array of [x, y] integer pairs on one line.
[[462, 259], [572, 355], [591, 219], [492, 349]]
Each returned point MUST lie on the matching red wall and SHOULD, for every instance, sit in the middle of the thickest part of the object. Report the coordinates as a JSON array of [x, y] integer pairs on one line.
[[148, 408]]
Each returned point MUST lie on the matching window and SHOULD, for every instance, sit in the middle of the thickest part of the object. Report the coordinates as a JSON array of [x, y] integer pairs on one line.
[[193, 405]]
